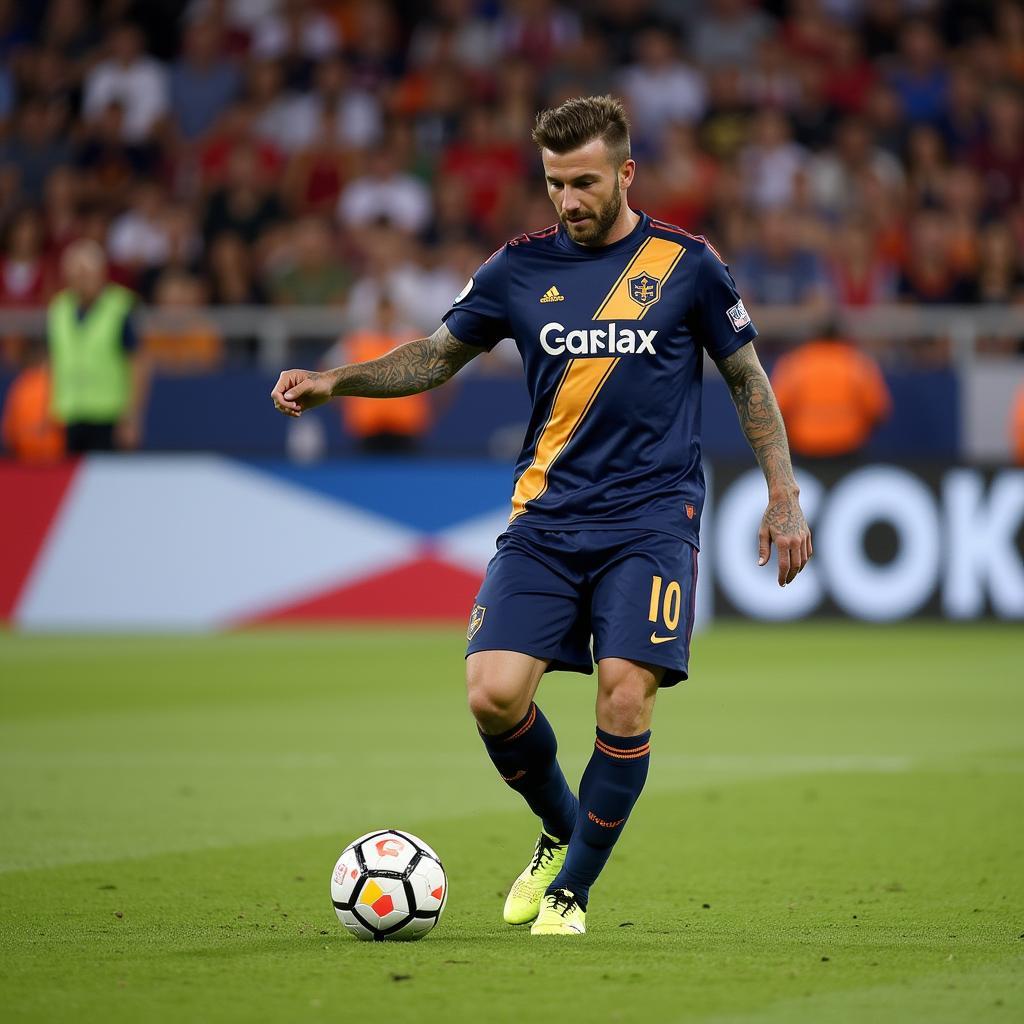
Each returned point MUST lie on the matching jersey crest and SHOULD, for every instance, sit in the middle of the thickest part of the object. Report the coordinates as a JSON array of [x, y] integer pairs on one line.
[[645, 289]]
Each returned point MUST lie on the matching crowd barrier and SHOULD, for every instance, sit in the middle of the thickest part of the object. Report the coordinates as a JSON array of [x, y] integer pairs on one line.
[[204, 542]]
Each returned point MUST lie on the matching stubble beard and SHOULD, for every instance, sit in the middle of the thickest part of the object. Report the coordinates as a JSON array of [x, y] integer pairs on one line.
[[596, 231]]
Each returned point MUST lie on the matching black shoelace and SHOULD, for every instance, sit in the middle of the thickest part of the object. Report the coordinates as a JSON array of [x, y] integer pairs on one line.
[[544, 853], [562, 900]]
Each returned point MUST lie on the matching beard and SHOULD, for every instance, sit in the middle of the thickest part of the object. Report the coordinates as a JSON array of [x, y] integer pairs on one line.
[[594, 230]]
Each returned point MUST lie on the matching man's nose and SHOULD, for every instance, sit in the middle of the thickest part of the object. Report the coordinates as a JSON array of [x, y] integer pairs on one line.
[[570, 201]]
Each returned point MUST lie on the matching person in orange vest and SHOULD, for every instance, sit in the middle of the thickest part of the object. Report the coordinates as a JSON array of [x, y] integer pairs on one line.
[[396, 425], [1017, 428], [832, 396], [30, 433]]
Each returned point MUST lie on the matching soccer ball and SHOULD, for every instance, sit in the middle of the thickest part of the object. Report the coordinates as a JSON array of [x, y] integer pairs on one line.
[[389, 885]]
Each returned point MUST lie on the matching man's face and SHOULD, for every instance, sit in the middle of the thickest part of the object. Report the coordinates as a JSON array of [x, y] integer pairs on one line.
[[586, 188]]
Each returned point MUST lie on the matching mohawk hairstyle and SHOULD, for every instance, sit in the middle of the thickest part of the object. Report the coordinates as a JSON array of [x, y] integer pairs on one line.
[[581, 120]]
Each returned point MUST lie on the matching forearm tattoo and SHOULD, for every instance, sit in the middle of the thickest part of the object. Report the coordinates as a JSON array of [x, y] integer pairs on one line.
[[407, 370], [759, 416]]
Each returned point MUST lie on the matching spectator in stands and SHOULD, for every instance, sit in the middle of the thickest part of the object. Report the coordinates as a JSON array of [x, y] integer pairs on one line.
[[454, 31], [26, 275], [130, 79], [271, 104], [246, 205], [682, 180], [659, 86], [831, 395], [537, 31], [335, 110], [728, 33], [928, 275], [772, 162], [385, 191], [69, 30], [37, 147], [999, 155], [858, 273], [28, 429], [920, 77], [111, 162], [99, 379], [585, 68], [183, 250], [60, 209], [138, 237], [313, 275], [230, 270], [390, 427], [296, 31], [178, 337], [202, 83], [850, 76], [778, 271], [1017, 427]]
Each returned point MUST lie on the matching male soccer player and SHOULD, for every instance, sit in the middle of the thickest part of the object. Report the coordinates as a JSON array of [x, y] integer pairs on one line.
[[611, 311]]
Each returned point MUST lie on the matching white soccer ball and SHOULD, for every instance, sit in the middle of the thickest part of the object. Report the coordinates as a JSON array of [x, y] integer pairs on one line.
[[389, 885]]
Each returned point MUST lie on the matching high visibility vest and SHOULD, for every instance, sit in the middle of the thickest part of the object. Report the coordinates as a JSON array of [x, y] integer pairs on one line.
[[89, 366]]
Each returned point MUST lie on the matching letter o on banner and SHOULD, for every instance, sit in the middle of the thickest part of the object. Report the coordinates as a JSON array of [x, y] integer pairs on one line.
[[754, 589], [858, 585]]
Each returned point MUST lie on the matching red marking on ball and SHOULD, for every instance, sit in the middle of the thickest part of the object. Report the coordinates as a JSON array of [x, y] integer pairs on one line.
[[383, 906], [438, 892], [355, 874]]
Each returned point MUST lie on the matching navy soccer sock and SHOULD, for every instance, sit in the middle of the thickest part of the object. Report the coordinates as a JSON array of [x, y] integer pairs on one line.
[[525, 757], [609, 788]]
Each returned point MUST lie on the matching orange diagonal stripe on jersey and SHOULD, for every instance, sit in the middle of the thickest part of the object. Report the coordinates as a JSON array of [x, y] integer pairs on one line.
[[658, 257], [582, 380]]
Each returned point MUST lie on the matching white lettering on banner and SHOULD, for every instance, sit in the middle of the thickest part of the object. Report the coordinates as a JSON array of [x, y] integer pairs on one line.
[[753, 589], [980, 551], [861, 587], [969, 540], [597, 341]]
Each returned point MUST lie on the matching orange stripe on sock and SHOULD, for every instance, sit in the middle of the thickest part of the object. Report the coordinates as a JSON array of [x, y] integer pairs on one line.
[[624, 755], [525, 726]]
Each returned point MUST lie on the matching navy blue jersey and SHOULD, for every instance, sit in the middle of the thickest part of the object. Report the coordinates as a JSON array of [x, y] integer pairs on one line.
[[611, 340]]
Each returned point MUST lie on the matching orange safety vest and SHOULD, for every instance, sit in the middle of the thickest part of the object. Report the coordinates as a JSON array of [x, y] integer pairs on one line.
[[831, 396], [29, 431], [367, 417], [1017, 429]]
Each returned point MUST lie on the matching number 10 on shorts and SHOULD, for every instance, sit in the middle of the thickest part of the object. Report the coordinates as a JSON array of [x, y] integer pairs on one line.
[[669, 606]]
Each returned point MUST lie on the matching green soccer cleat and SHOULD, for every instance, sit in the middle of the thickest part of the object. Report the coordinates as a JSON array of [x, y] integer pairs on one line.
[[523, 900], [560, 914]]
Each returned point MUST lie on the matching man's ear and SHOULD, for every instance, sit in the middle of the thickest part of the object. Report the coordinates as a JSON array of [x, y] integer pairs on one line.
[[627, 172]]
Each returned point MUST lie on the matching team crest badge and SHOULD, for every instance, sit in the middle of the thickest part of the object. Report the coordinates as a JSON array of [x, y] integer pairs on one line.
[[644, 289], [476, 620]]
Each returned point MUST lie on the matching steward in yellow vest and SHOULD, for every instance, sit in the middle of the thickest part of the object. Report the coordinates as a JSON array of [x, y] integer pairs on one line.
[[98, 384]]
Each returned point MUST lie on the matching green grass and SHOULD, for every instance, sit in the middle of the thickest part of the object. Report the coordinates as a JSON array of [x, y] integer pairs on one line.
[[832, 831]]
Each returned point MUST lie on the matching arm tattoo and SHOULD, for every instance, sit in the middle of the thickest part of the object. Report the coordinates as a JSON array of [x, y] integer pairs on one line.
[[759, 417], [407, 370]]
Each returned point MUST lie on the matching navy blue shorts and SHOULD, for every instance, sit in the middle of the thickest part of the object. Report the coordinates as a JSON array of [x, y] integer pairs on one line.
[[547, 592]]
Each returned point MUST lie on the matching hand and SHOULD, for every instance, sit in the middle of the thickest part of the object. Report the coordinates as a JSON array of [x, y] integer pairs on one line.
[[127, 433], [784, 525], [299, 390]]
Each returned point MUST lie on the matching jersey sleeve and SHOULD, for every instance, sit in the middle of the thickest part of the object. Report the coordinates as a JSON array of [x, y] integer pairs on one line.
[[479, 313], [720, 320]]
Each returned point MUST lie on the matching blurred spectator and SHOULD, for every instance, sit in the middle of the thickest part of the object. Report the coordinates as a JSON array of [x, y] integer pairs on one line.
[[60, 209], [1017, 428], [69, 30], [536, 30], [130, 79], [774, 79], [396, 425], [772, 161], [235, 131], [858, 274], [138, 237], [271, 104], [725, 127], [453, 31], [584, 69], [349, 115], [681, 181], [728, 33], [202, 83], [920, 79], [777, 271], [178, 337], [929, 275], [233, 281], [26, 276], [37, 147], [999, 156], [182, 250], [850, 76], [831, 395], [384, 191], [245, 205], [659, 86], [1000, 273], [927, 165], [99, 379], [110, 161], [296, 30], [313, 275], [316, 174], [29, 431]]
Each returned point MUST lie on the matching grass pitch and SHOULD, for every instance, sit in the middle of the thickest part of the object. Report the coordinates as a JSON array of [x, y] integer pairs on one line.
[[832, 831]]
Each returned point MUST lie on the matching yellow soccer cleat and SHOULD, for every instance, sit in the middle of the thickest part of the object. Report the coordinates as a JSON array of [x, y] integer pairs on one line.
[[560, 914], [523, 900]]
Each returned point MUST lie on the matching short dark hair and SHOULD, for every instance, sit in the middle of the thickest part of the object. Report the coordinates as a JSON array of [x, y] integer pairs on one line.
[[581, 120]]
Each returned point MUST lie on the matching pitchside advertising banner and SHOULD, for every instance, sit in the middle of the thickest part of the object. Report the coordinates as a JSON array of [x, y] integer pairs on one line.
[[204, 542]]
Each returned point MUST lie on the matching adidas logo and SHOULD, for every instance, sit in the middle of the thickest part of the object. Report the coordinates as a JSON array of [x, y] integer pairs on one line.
[[552, 295]]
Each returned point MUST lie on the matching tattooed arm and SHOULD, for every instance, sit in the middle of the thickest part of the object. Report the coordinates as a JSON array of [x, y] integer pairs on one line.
[[407, 370], [783, 522]]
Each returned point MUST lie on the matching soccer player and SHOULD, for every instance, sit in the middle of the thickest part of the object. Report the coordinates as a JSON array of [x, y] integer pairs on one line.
[[611, 311]]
